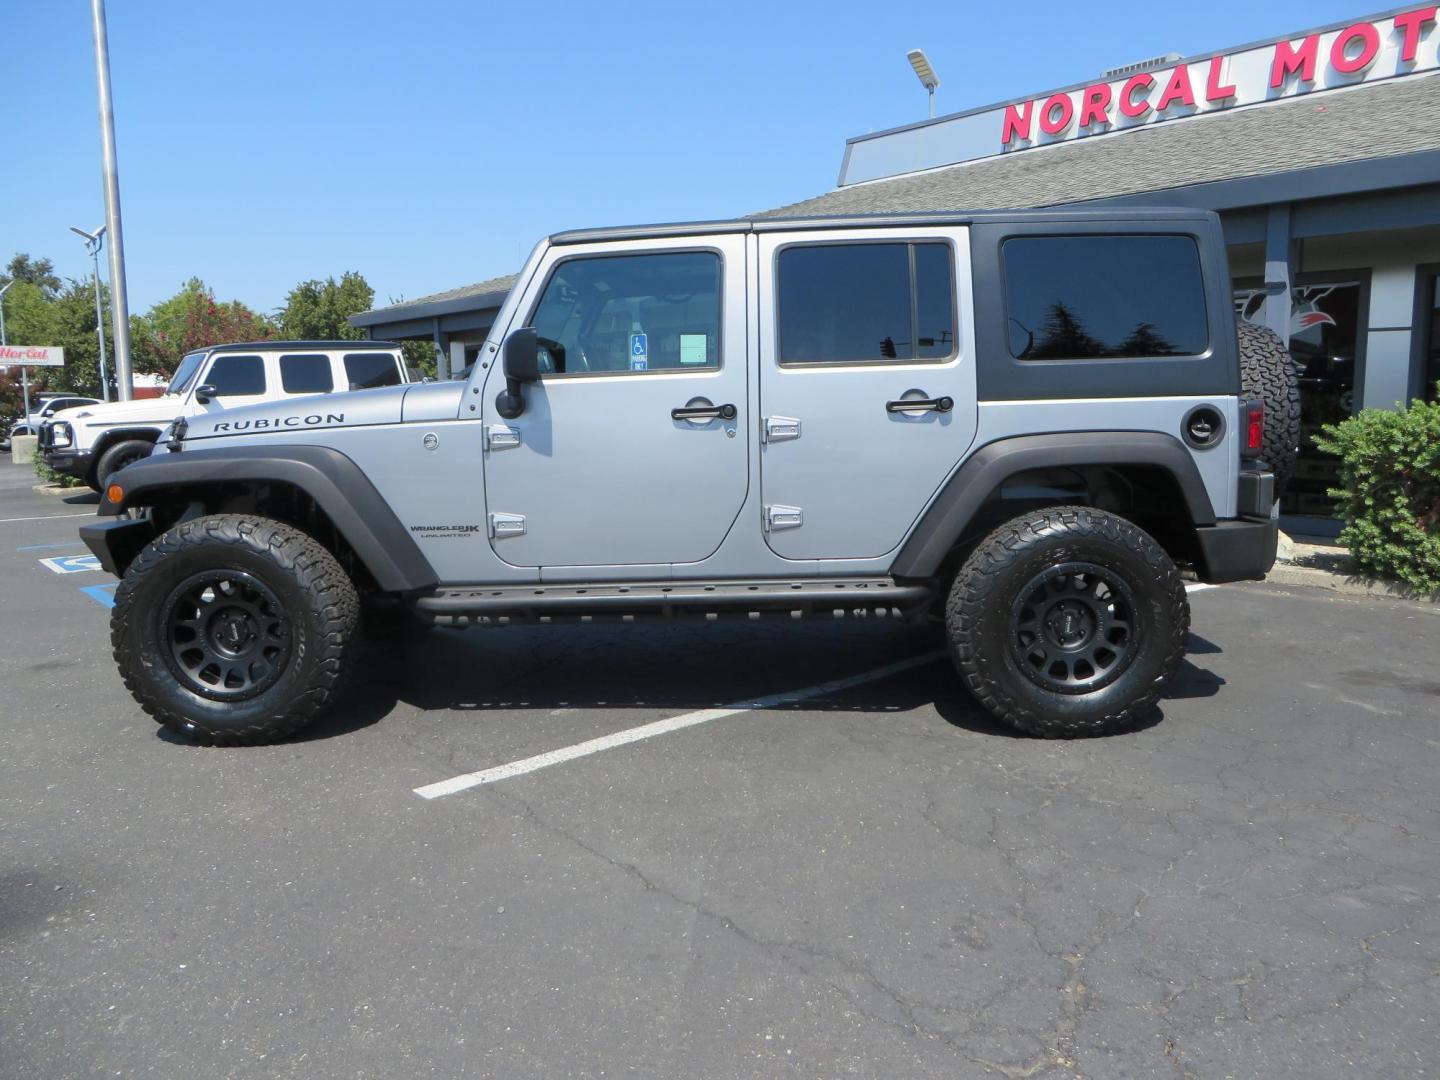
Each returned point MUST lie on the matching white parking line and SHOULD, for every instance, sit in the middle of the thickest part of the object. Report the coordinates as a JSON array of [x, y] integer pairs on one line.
[[664, 727], [1199, 586], [45, 517]]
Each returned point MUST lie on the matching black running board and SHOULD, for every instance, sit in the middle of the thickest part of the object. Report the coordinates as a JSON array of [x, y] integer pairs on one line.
[[839, 598]]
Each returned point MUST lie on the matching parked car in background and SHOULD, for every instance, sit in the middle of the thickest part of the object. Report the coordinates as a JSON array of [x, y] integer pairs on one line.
[[46, 406], [94, 441]]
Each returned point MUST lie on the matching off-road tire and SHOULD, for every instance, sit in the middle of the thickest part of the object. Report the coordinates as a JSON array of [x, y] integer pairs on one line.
[[318, 599], [125, 452], [981, 620], [1267, 372]]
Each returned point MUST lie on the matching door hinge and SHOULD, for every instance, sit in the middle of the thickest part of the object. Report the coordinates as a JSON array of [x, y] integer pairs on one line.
[[779, 517], [503, 525], [781, 429], [500, 437]]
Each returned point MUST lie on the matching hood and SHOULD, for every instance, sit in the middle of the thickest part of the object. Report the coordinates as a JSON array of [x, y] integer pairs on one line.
[[354, 408], [161, 410]]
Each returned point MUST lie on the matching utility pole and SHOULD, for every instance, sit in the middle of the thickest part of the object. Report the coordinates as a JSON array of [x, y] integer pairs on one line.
[[92, 248], [119, 302]]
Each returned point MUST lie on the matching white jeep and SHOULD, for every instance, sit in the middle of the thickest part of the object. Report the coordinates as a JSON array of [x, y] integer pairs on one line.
[[94, 441]]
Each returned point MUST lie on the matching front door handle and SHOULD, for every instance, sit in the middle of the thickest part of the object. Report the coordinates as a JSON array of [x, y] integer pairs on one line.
[[914, 405], [703, 412]]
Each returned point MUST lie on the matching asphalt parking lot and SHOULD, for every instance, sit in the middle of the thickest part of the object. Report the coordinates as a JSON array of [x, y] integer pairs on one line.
[[864, 879]]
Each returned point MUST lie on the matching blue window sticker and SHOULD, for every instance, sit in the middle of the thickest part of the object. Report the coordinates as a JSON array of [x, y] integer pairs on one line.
[[639, 352]]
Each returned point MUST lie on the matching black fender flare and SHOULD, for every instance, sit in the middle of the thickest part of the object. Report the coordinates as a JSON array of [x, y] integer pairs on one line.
[[339, 487], [948, 516]]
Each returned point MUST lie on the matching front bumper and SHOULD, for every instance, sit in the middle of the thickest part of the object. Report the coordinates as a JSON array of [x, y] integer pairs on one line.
[[116, 541], [74, 463]]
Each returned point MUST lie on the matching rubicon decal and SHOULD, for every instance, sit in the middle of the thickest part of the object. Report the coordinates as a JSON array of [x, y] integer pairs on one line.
[[265, 424]]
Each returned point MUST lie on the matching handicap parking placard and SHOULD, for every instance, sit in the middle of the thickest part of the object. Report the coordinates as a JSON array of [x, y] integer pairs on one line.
[[70, 564]]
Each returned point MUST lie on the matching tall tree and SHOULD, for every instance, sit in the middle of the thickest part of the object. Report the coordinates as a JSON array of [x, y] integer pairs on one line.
[[38, 272], [191, 319], [319, 310]]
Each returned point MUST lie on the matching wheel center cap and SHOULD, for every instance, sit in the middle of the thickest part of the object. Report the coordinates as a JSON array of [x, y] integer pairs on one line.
[[1069, 624], [231, 632]]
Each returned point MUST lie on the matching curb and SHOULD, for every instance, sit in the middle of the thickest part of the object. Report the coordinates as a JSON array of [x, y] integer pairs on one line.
[[1347, 584], [55, 491]]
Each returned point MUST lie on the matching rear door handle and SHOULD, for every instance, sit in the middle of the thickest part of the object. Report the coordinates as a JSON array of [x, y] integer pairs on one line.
[[703, 412], [929, 404]]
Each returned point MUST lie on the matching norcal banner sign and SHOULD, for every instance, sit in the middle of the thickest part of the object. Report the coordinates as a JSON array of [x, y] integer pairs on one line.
[[32, 356], [1403, 42]]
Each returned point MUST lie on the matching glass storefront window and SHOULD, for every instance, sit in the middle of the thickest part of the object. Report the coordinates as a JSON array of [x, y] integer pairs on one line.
[[1324, 337], [1430, 327]]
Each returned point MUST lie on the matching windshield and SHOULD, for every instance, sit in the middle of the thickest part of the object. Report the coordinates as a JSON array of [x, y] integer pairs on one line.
[[184, 373]]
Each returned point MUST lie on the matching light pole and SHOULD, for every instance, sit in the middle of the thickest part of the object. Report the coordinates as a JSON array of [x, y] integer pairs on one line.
[[119, 304], [925, 73], [24, 371], [92, 247]]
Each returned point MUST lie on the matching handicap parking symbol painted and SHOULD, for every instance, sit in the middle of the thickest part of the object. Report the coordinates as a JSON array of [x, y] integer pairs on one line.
[[70, 564]]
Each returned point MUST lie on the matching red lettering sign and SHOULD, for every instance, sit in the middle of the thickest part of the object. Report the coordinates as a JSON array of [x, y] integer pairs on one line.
[[1017, 123], [1177, 89], [1053, 122], [1213, 90], [1128, 105], [1340, 58], [1095, 105], [1412, 24], [1289, 60]]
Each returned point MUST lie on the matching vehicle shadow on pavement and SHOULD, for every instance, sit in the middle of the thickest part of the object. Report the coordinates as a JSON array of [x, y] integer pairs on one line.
[[504, 672]]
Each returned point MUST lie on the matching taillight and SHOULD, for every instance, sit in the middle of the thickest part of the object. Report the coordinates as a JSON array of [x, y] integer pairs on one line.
[[1254, 427]]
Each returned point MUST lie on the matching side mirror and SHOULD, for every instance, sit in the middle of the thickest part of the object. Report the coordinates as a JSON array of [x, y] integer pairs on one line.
[[205, 394], [522, 365]]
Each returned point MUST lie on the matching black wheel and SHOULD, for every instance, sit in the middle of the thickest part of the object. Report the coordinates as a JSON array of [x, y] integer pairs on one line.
[[233, 629], [125, 452], [1267, 372], [1068, 622]]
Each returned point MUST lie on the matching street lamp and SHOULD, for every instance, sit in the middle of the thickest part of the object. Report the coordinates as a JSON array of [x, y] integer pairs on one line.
[[92, 246], [925, 73], [24, 371]]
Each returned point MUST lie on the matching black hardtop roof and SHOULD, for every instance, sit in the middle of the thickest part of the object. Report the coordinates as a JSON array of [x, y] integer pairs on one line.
[[363, 345], [872, 221]]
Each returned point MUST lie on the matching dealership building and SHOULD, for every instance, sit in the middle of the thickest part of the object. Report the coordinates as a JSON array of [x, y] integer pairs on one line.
[[1319, 150]]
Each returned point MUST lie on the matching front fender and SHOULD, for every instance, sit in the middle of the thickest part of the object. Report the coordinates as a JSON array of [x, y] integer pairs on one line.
[[338, 486]]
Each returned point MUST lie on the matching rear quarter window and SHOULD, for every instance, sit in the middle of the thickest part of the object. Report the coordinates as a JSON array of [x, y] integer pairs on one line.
[[1099, 297], [365, 371]]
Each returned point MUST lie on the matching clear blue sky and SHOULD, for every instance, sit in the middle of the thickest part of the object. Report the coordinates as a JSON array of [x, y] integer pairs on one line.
[[428, 145]]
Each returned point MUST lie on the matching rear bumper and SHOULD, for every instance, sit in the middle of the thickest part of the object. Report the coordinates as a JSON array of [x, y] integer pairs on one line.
[[1240, 550], [116, 541], [74, 463]]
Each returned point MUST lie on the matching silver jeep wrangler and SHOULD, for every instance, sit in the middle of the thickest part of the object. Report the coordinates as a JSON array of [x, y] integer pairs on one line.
[[1021, 425]]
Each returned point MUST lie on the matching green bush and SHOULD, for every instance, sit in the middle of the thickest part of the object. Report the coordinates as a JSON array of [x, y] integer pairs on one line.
[[1390, 491], [48, 475]]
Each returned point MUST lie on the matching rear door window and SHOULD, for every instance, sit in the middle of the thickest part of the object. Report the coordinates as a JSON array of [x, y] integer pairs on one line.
[[866, 303], [365, 370], [306, 373], [1104, 297], [237, 376]]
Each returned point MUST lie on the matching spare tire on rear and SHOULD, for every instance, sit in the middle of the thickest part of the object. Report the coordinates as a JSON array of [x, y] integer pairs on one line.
[[1267, 372]]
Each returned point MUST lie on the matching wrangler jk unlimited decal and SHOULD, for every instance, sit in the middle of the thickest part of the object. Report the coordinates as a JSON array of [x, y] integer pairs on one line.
[[445, 530], [280, 421]]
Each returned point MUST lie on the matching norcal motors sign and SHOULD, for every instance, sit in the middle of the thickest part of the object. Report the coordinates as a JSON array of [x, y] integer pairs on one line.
[[1398, 43], [1327, 61]]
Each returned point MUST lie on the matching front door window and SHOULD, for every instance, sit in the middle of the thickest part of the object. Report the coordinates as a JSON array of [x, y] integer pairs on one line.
[[1324, 338]]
